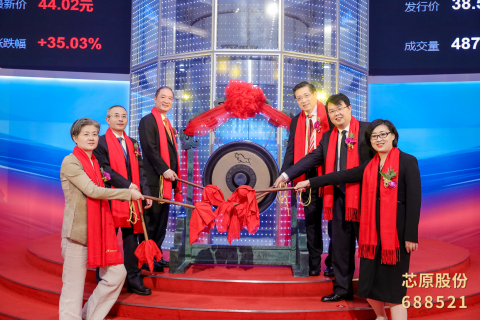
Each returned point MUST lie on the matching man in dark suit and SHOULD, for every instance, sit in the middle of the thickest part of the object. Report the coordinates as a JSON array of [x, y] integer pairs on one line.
[[161, 163], [302, 140], [117, 156], [344, 219]]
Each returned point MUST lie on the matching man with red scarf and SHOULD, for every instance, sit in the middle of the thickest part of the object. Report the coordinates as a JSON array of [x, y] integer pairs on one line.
[[119, 156], [306, 131], [343, 147], [162, 166]]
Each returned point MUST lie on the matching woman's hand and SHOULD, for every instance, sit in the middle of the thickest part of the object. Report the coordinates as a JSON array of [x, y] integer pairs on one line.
[[136, 195], [411, 246], [302, 185]]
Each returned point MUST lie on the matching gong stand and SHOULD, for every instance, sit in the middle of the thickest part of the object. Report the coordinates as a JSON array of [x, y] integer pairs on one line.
[[182, 254]]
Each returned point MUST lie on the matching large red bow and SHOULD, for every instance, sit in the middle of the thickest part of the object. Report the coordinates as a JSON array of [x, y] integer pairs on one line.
[[146, 251], [202, 218], [245, 215]]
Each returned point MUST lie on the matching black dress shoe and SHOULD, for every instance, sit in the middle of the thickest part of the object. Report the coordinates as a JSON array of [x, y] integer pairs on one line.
[[314, 272], [164, 263], [158, 268], [141, 290], [328, 272], [336, 298]]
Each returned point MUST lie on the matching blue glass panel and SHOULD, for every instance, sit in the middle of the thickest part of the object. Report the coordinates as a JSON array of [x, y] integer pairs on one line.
[[186, 26], [144, 31], [190, 80], [353, 84], [320, 74], [247, 24], [353, 31], [310, 27], [143, 87]]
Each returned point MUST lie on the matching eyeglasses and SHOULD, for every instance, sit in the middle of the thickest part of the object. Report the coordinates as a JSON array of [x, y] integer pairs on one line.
[[118, 116], [382, 136], [339, 110], [306, 96]]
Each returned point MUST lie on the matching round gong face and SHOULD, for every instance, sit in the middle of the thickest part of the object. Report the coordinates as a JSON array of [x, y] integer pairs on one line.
[[242, 163]]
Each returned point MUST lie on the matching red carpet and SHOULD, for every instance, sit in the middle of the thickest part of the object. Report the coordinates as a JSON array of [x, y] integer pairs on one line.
[[30, 278]]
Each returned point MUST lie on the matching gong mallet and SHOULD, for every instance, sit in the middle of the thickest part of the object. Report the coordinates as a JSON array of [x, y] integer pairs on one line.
[[190, 183], [140, 209], [275, 190], [259, 196], [170, 201]]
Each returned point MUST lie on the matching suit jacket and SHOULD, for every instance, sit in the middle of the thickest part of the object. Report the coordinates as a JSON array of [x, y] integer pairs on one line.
[[319, 155], [117, 180], [77, 186], [288, 160], [409, 190], [153, 163]]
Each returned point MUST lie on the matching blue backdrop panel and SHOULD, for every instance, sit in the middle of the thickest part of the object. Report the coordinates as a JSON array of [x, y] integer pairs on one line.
[[36, 115], [438, 123]]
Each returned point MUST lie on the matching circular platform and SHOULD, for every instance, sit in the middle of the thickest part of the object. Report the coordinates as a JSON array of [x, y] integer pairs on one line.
[[248, 280], [226, 291]]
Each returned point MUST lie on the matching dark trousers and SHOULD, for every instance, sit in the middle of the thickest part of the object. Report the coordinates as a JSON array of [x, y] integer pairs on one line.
[[343, 251], [130, 244], [313, 225], [156, 219]]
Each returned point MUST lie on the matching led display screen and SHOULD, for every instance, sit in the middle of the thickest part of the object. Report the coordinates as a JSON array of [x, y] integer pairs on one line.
[[424, 37]]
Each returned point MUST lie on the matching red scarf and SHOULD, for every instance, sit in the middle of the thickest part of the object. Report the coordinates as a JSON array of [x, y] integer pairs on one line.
[[300, 135], [101, 237], [367, 241], [120, 209], [352, 190], [167, 185]]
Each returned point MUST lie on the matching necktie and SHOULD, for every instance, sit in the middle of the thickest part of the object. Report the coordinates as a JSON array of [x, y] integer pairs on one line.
[[343, 157], [311, 134], [167, 128], [124, 151]]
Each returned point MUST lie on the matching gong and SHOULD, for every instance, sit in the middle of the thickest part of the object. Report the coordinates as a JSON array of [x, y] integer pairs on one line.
[[242, 163]]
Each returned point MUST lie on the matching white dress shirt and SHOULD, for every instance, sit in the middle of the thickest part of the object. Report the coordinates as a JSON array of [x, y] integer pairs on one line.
[[123, 144], [307, 138]]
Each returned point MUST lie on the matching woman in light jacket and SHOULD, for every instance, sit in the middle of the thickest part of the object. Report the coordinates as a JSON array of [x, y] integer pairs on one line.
[[88, 234]]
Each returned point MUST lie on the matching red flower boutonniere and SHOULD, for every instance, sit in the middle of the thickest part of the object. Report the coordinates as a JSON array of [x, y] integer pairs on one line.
[[350, 141], [105, 175], [317, 126], [136, 149], [388, 178]]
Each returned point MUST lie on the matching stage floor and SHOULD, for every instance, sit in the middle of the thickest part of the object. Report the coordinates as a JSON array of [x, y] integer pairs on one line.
[[31, 275]]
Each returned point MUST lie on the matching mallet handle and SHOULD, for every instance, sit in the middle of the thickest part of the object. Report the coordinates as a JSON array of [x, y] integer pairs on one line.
[[191, 183], [171, 202]]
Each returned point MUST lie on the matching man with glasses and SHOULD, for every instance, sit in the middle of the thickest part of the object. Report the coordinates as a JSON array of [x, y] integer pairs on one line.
[[306, 130], [341, 148], [117, 154]]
